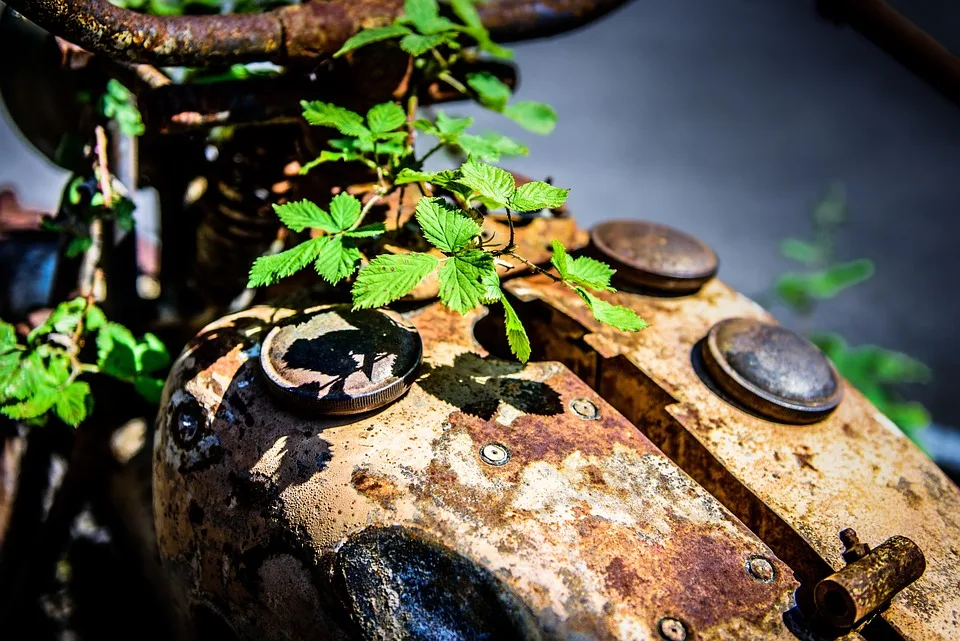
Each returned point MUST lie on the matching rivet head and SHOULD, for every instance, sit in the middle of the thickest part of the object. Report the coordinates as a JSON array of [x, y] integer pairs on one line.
[[761, 569], [585, 409], [772, 370], [655, 256], [672, 629], [337, 361], [494, 454], [188, 421]]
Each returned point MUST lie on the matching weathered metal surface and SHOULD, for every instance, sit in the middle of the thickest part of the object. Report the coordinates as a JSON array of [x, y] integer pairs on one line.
[[407, 524], [796, 487], [339, 361], [301, 32], [771, 370], [867, 584], [655, 256]]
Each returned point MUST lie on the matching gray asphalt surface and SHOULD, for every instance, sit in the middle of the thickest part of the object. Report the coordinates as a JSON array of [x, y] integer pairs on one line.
[[728, 118]]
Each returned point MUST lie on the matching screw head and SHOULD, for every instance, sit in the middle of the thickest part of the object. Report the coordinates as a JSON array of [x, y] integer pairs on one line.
[[672, 629], [761, 569], [495, 454], [772, 370], [338, 361], [655, 256], [585, 409]]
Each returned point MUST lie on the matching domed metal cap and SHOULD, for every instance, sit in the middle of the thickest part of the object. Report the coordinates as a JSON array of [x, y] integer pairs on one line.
[[655, 256], [771, 370], [339, 361]]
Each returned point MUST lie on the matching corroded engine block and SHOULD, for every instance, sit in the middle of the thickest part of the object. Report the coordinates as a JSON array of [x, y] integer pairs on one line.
[[323, 473]]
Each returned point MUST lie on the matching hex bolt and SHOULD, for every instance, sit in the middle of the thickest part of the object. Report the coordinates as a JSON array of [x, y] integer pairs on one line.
[[672, 629], [585, 409], [761, 569], [854, 550], [495, 454]]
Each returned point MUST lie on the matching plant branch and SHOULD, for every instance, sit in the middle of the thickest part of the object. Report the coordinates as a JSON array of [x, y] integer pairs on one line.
[[91, 276], [536, 268], [453, 82]]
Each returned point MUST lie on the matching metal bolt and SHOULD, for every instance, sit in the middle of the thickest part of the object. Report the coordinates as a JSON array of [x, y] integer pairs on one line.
[[854, 550], [761, 569], [188, 421], [771, 370], [495, 454], [585, 409], [672, 629]]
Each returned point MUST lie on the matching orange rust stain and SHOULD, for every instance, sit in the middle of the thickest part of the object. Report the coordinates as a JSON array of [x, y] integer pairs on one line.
[[376, 487]]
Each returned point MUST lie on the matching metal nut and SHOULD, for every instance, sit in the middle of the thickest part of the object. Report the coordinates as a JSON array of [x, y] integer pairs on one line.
[[585, 408], [495, 454], [672, 629], [761, 569]]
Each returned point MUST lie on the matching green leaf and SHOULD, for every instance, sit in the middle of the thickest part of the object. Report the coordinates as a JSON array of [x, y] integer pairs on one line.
[[534, 196], [344, 211], [71, 404], [439, 178], [38, 404], [417, 45], [467, 13], [489, 146], [27, 376], [369, 36], [910, 417], [389, 277], [584, 271], [152, 354], [425, 16], [613, 315], [305, 215], [58, 368], [489, 46], [532, 116], [467, 280], [452, 126], [491, 182], [343, 120], [63, 320], [491, 91], [94, 319], [800, 251], [149, 388], [831, 210], [516, 334], [117, 351], [8, 337], [385, 117], [800, 289], [373, 229], [446, 227], [267, 270], [337, 259]]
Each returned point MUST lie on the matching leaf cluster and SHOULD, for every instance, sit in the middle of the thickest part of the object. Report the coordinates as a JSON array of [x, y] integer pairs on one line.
[[82, 203], [118, 104], [367, 140], [40, 375]]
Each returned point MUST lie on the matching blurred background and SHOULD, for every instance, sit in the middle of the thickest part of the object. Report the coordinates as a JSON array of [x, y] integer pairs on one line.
[[731, 119]]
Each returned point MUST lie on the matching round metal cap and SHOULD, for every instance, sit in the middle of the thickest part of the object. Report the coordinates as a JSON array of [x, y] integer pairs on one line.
[[655, 256], [771, 370], [338, 361]]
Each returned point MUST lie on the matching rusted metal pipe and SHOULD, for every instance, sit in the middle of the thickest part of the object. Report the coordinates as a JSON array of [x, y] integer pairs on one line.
[[286, 35], [894, 33], [864, 586]]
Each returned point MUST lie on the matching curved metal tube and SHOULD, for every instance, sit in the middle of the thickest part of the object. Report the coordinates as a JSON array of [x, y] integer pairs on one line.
[[289, 34]]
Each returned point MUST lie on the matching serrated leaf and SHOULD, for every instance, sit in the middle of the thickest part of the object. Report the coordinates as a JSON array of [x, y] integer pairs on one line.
[[444, 226], [326, 156], [152, 354], [532, 116], [117, 351], [38, 404], [58, 368], [267, 270], [149, 388], [467, 280], [800, 251], [63, 319], [369, 36], [389, 277], [536, 195], [417, 45], [337, 259], [467, 13], [516, 334], [344, 211], [304, 214], [27, 376], [9, 364], [613, 315], [584, 270], [94, 319], [452, 126], [490, 146], [8, 337], [366, 231], [71, 403], [439, 178], [343, 120], [425, 16], [491, 91], [491, 182], [385, 117]]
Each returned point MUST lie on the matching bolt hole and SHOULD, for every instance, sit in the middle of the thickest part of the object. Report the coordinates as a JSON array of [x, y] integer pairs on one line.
[[834, 606]]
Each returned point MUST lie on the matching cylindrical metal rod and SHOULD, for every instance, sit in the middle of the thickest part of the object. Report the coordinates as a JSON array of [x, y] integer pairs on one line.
[[894, 33], [858, 590]]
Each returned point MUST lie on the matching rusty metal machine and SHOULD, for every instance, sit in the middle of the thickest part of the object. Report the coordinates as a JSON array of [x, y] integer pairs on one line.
[[322, 473]]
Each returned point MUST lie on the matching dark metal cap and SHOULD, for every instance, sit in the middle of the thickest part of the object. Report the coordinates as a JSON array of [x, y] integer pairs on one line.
[[772, 370], [338, 361], [655, 256]]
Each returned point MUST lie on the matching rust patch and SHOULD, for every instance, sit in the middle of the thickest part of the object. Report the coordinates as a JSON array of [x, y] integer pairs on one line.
[[375, 486]]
